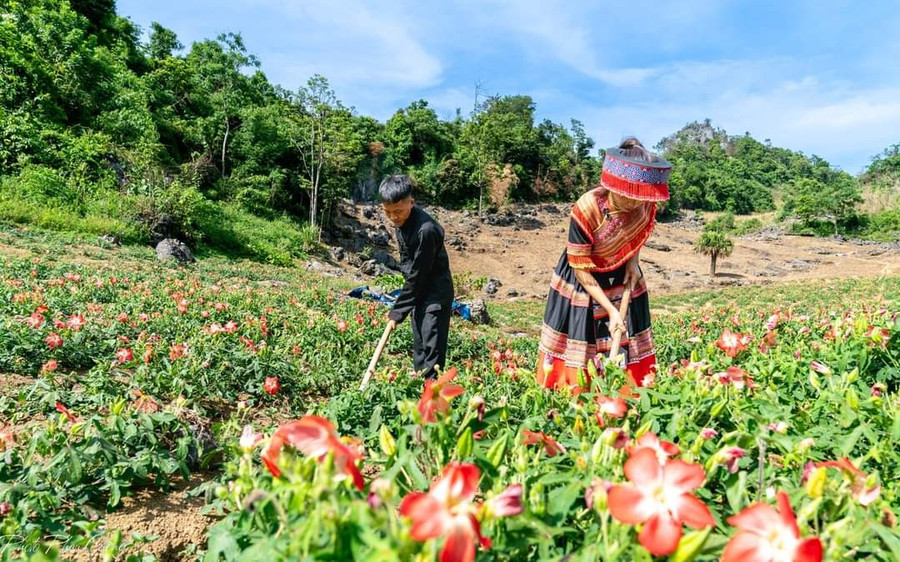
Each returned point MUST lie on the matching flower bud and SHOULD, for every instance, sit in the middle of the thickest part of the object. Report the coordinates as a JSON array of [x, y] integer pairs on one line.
[[815, 485]]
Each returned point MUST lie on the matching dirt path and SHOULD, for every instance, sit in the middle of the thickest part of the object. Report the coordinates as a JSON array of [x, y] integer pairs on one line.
[[521, 247]]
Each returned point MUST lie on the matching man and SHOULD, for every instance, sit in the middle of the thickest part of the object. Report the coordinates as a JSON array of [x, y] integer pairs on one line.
[[428, 291]]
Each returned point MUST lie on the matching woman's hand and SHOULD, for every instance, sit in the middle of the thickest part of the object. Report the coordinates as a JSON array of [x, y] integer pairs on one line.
[[616, 323], [632, 272]]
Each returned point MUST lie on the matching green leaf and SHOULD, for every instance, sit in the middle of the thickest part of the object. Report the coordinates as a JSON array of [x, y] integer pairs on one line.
[[889, 537], [560, 500], [75, 469], [850, 441], [735, 491], [690, 545]]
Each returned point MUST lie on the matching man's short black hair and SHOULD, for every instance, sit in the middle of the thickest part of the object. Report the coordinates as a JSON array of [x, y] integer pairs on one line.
[[395, 188]]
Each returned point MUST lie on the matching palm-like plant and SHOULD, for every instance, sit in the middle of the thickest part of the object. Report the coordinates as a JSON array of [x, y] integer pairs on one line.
[[714, 243]]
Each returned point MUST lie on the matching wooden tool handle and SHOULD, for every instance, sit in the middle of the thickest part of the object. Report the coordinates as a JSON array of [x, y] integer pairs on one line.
[[377, 355], [617, 337]]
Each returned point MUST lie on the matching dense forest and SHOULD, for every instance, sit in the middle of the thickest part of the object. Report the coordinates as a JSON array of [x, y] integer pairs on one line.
[[108, 130]]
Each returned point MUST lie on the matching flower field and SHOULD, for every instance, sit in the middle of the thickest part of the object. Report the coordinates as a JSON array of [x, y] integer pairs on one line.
[[769, 431]]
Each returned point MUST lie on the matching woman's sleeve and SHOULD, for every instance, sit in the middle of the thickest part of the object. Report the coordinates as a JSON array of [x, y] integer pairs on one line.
[[579, 245]]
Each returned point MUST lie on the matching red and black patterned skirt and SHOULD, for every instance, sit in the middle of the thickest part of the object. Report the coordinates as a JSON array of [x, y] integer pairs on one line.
[[575, 329]]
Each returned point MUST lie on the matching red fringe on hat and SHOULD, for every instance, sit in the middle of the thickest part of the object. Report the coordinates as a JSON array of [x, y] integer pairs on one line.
[[641, 191]]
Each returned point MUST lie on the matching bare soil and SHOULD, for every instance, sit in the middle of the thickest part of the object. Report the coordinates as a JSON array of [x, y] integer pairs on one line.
[[524, 243], [174, 517]]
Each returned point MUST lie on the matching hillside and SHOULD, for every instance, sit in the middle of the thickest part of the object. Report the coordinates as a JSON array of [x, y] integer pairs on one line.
[[520, 247]]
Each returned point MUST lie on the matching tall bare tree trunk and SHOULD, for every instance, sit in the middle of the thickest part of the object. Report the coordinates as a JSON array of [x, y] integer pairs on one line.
[[224, 143], [712, 263]]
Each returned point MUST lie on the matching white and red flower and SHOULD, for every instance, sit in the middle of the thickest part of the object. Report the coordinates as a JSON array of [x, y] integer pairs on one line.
[[659, 498], [75, 322], [53, 340], [864, 493], [662, 449], [315, 437], [551, 447], [271, 386], [436, 395], [733, 343], [447, 510], [769, 534]]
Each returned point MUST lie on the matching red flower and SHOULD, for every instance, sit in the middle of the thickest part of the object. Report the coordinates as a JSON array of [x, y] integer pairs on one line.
[[49, 366], [271, 386], [858, 487], [60, 407], [662, 449], [177, 351], [124, 355], [75, 322], [446, 510], [342, 326], [729, 456], [315, 437], [551, 447], [508, 503], [36, 320], [879, 336], [230, 327], [659, 498], [123, 317], [53, 340], [769, 534], [732, 343], [820, 367], [735, 376], [612, 407], [436, 394]]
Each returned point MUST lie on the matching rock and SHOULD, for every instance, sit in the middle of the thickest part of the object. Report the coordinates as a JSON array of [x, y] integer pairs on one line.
[[318, 267], [368, 212], [506, 219], [799, 265], [273, 283], [337, 253], [109, 240], [657, 246], [385, 259], [173, 249], [492, 286], [457, 243], [479, 312], [512, 293], [379, 236], [373, 268]]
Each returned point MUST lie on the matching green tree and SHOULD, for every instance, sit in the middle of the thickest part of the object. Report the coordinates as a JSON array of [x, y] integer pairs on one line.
[[835, 202], [324, 133], [163, 42], [714, 243]]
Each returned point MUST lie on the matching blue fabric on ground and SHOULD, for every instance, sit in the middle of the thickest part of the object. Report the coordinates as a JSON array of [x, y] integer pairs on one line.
[[363, 292]]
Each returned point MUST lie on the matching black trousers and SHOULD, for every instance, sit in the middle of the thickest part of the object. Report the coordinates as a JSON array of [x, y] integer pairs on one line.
[[430, 327]]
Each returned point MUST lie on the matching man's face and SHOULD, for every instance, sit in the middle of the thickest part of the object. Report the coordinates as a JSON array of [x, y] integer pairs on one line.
[[398, 212]]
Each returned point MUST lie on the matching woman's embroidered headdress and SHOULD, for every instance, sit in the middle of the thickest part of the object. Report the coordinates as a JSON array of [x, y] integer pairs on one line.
[[635, 178]]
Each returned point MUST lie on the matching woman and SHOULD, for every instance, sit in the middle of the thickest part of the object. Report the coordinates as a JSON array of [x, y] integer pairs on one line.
[[607, 229]]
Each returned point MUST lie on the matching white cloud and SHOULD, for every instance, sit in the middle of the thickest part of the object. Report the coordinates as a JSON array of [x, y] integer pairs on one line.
[[353, 43], [843, 124]]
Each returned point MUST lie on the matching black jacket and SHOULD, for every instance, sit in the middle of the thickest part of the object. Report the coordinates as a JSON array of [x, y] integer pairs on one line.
[[424, 263]]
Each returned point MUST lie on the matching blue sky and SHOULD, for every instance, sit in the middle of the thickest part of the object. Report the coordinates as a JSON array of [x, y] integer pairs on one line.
[[822, 77]]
